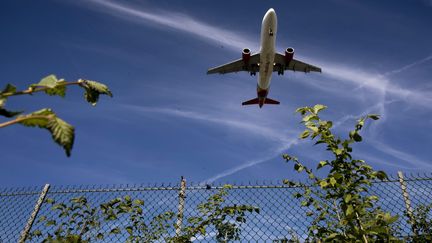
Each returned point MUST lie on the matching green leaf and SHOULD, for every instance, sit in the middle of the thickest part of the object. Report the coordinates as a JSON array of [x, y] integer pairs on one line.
[[373, 116], [323, 184], [305, 203], [51, 222], [309, 117], [59, 206], [290, 183], [59, 90], [6, 113], [347, 198], [93, 90], [349, 210], [80, 200], [332, 236], [138, 202], [227, 186], [305, 134], [100, 236], [381, 175], [115, 230], [301, 110], [338, 151], [202, 230], [111, 216], [9, 89], [37, 233], [356, 137], [49, 81], [49, 201], [62, 132], [298, 167], [318, 108], [53, 85], [322, 164], [41, 219], [129, 229], [287, 157], [332, 181]]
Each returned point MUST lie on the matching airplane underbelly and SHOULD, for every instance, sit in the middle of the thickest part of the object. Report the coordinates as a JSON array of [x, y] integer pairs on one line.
[[266, 70]]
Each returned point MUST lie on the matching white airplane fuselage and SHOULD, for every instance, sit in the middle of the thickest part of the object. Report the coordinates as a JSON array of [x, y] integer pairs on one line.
[[268, 40]]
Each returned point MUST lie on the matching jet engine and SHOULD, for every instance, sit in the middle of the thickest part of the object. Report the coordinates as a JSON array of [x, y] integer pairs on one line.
[[246, 56], [289, 54]]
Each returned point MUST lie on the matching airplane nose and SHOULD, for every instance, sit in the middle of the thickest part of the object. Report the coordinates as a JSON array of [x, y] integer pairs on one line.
[[270, 12]]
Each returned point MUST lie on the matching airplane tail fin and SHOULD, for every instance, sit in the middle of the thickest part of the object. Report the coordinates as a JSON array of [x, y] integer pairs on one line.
[[256, 101]]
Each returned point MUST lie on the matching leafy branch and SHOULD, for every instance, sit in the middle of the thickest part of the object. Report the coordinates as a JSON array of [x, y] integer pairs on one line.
[[225, 219], [78, 221], [62, 132], [343, 209]]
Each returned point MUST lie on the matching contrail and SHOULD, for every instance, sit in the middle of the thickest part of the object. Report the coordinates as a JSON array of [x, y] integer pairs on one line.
[[174, 21], [250, 163], [399, 70]]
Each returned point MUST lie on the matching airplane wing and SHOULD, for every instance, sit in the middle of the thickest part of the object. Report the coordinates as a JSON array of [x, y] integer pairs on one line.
[[237, 66], [293, 65]]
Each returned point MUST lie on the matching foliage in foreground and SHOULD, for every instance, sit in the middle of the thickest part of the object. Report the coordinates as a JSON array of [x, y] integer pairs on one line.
[[62, 132], [78, 221], [422, 223], [342, 209]]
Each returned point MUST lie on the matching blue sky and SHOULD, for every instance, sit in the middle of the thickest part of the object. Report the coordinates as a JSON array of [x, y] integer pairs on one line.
[[168, 118]]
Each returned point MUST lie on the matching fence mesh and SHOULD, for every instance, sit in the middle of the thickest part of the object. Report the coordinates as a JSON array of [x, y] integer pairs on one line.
[[280, 216]]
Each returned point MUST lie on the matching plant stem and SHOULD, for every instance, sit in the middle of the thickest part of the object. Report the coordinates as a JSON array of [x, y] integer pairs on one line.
[[34, 90], [338, 215], [20, 119], [361, 228]]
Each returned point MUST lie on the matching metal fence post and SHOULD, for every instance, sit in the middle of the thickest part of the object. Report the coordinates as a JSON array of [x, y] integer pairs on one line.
[[33, 215], [407, 202], [181, 205]]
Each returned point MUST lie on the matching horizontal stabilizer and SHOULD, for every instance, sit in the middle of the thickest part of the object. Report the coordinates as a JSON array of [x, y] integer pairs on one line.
[[256, 101], [251, 102], [271, 102]]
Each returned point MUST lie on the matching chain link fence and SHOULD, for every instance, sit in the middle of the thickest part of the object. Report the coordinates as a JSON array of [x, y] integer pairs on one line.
[[165, 210]]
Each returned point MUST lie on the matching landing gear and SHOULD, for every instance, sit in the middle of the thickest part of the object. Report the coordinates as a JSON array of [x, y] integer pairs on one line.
[[280, 72], [253, 73]]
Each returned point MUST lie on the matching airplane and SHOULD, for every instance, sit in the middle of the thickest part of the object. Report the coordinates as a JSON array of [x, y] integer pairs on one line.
[[265, 62]]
